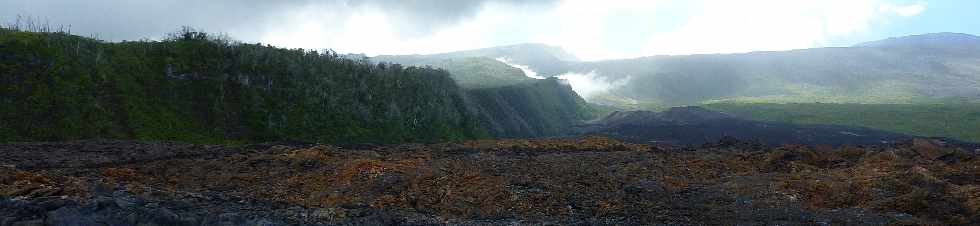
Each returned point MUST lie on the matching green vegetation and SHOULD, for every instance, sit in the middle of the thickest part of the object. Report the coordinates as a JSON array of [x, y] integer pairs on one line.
[[481, 72], [906, 70], [539, 108], [509, 103], [544, 59], [475, 72], [881, 93], [200, 88], [955, 120]]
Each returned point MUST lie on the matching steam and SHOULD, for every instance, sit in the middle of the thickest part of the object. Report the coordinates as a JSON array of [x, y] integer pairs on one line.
[[527, 70], [587, 85], [590, 84]]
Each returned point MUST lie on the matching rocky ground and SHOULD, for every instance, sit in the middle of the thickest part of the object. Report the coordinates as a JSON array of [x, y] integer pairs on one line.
[[693, 125], [584, 181]]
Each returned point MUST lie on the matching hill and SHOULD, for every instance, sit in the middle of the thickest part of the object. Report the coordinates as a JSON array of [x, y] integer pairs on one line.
[[196, 87], [926, 68], [473, 72], [953, 43], [509, 102], [697, 125], [546, 107], [544, 59], [201, 88], [957, 121], [915, 69]]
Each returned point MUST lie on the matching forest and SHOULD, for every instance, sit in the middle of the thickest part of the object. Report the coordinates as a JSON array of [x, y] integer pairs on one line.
[[203, 88]]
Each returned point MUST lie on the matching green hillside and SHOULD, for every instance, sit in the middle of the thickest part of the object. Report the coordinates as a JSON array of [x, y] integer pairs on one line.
[[546, 60], [538, 108], [474, 72], [200, 88], [902, 70], [881, 75], [960, 121], [509, 103]]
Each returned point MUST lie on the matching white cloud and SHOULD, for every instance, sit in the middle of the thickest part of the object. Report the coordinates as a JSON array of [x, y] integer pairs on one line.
[[590, 84], [580, 25], [577, 25], [904, 10], [351, 29], [524, 68], [594, 30], [760, 25]]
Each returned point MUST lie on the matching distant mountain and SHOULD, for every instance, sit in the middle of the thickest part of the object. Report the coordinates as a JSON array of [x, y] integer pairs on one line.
[[696, 125], [538, 108], [544, 59], [197, 88], [924, 68], [930, 68], [945, 40], [476, 72], [194, 87], [511, 103]]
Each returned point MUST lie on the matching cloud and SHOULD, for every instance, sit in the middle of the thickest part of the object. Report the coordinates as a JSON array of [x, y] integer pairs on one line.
[[904, 10], [415, 18], [247, 19], [592, 30], [524, 68], [136, 19], [590, 84], [587, 28], [397, 27], [760, 25]]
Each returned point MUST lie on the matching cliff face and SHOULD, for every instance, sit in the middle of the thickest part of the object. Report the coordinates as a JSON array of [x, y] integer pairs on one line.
[[508, 102], [539, 108], [197, 88]]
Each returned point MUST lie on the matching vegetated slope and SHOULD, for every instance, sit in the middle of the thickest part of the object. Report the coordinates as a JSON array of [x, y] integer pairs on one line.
[[947, 42], [901, 70], [588, 181], [509, 103], [912, 69], [696, 125], [958, 121], [195, 87], [544, 59], [474, 72], [538, 108]]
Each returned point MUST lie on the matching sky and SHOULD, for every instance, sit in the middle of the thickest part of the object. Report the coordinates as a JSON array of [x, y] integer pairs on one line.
[[590, 29]]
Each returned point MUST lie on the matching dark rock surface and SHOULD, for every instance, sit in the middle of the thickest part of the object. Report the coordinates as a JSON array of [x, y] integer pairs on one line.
[[584, 181], [697, 125]]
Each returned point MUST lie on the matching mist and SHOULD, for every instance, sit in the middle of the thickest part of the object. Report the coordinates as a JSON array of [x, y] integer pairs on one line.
[[591, 30], [530, 73], [591, 84]]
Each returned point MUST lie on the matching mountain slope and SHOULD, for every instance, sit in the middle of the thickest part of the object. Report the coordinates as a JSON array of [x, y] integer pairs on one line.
[[902, 70], [951, 43], [544, 59], [696, 125], [958, 121], [474, 72], [197, 88], [509, 102], [194, 87], [914, 69], [539, 108]]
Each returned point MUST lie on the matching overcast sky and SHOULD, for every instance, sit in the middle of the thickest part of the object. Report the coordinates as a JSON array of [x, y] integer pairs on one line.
[[591, 29]]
